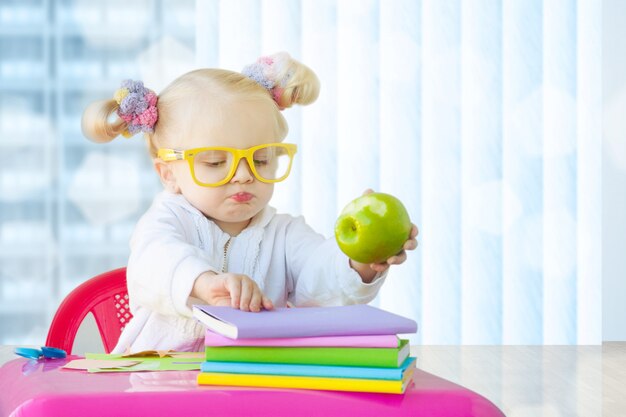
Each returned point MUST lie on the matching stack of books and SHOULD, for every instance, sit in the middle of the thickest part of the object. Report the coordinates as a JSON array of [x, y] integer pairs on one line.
[[347, 348]]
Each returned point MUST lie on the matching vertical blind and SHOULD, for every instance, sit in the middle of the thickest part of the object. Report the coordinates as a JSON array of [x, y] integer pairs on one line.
[[482, 116]]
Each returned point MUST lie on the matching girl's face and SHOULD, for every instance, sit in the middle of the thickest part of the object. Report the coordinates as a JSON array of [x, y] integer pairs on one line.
[[232, 205]]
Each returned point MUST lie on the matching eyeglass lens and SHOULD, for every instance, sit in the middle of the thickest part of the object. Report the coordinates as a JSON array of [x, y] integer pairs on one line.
[[213, 166]]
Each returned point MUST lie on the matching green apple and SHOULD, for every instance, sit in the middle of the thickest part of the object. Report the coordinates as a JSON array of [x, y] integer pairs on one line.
[[372, 228]]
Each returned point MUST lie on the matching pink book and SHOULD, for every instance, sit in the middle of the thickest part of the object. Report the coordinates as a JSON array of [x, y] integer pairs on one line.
[[377, 341]]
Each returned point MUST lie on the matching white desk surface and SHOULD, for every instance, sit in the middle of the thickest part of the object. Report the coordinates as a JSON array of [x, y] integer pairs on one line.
[[525, 381], [538, 381]]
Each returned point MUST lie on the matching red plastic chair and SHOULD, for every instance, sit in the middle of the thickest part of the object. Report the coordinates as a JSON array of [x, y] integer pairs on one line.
[[106, 297]]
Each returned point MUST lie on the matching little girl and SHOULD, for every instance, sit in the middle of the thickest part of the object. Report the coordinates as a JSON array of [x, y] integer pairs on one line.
[[216, 139]]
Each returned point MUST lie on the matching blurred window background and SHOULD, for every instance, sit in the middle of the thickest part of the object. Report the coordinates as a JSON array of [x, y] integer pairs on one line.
[[67, 206], [483, 116]]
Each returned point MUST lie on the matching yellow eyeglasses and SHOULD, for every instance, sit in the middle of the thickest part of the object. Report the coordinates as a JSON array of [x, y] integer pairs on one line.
[[215, 166]]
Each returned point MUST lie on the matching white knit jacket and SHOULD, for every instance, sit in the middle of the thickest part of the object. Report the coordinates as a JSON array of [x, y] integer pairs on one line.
[[173, 243]]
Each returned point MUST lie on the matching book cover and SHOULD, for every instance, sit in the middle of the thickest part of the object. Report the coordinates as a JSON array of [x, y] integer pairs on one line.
[[309, 370], [309, 382], [383, 340], [359, 319], [339, 356]]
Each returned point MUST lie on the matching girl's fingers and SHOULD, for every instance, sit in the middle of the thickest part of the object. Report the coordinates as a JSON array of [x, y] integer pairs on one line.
[[234, 288], [397, 259], [394, 260], [247, 289], [410, 244], [379, 267], [267, 303], [255, 301], [400, 257], [223, 301]]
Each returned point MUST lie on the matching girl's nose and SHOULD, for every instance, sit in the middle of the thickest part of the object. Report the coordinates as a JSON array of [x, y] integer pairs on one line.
[[243, 174]]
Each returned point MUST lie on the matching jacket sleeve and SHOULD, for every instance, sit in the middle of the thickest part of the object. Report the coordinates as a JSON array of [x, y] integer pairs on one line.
[[163, 264], [321, 273]]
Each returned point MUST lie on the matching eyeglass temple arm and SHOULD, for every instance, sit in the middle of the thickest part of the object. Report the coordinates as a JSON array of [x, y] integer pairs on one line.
[[170, 154]]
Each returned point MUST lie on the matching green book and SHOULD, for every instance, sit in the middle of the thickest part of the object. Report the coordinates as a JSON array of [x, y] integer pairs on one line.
[[340, 356]]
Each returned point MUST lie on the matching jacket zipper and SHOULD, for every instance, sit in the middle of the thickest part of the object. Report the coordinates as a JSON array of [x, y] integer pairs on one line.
[[225, 255]]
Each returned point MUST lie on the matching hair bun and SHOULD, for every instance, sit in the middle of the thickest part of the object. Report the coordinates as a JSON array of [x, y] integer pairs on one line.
[[287, 80]]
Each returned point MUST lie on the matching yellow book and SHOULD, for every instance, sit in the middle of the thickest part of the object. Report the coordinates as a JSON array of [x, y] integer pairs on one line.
[[308, 382]]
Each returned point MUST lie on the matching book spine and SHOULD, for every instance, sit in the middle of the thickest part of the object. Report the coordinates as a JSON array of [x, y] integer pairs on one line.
[[369, 357], [303, 382], [378, 341], [303, 370]]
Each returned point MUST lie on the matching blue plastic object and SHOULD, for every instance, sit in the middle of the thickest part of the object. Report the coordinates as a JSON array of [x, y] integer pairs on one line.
[[45, 351], [53, 353]]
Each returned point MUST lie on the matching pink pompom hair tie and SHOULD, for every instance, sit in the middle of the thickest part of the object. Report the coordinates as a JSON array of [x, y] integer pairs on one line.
[[137, 107], [271, 73]]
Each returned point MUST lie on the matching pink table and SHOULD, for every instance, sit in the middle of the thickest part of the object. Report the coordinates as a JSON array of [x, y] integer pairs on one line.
[[30, 388]]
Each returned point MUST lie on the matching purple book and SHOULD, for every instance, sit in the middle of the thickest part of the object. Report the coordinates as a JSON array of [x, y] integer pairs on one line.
[[359, 319]]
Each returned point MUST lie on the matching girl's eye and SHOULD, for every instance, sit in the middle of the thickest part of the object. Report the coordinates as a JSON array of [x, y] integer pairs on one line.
[[214, 164], [261, 162]]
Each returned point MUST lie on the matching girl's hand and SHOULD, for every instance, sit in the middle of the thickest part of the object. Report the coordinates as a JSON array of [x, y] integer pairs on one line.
[[235, 290], [368, 271], [400, 257]]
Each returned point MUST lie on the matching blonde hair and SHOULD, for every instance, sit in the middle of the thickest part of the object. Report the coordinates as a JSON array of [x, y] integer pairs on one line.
[[178, 102], [302, 87]]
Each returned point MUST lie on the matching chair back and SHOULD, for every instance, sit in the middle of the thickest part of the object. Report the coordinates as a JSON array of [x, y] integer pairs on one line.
[[106, 297]]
